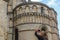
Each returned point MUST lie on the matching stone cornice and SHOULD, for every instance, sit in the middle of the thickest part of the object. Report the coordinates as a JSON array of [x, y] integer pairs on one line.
[[34, 14], [36, 23], [36, 3]]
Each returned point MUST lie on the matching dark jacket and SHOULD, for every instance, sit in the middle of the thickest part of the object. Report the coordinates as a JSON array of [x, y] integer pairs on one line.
[[39, 37]]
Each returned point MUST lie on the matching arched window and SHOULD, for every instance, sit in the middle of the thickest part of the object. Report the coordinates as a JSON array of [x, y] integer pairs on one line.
[[27, 8], [34, 8], [42, 10]]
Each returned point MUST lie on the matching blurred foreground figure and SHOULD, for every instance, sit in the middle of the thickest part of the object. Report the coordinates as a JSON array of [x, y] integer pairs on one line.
[[41, 35]]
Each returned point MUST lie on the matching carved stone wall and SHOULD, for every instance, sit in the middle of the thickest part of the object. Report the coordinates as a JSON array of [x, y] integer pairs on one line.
[[4, 20], [32, 16], [26, 17]]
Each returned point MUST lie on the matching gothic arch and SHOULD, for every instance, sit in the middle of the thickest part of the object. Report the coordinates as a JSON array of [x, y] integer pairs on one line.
[[34, 7], [42, 9], [27, 8]]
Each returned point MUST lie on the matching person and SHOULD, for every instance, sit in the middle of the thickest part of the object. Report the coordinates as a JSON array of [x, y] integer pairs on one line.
[[41, 35], [45, 36]]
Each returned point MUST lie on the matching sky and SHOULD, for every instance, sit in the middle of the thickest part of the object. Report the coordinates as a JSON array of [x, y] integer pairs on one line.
[[54, 4]]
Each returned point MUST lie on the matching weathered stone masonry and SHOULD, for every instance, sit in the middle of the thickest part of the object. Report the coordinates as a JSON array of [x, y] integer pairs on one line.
[[19, 19]]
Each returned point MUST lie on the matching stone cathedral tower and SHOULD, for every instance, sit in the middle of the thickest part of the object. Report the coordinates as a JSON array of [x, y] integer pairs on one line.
[[19, 20]]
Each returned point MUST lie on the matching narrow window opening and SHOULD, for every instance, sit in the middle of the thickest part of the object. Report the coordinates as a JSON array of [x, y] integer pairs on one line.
[[42, 10], [16, 34], [34, 8]]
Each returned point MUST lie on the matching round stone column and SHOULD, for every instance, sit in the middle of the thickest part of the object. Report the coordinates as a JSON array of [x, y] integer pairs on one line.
[[4, 20], [27, 31], [28, 19]]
